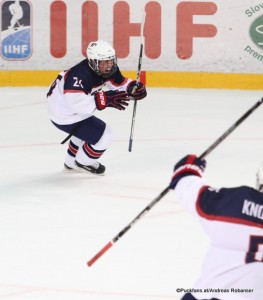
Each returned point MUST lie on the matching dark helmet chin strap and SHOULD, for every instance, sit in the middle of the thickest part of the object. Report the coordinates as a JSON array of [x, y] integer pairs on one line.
[[93, 63]]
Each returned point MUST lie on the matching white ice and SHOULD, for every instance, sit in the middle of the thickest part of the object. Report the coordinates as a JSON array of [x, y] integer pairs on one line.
[[52, 222]]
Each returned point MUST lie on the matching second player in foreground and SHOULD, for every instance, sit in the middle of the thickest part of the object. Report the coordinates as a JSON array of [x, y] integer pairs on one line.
[[233, 220]]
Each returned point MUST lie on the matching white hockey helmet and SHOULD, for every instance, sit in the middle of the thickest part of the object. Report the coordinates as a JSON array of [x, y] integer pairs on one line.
[[98, 51], [259, 178]]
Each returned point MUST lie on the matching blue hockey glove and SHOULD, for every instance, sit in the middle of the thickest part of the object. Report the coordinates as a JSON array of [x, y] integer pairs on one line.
[[139, 92], [116, 99], [189, 165]]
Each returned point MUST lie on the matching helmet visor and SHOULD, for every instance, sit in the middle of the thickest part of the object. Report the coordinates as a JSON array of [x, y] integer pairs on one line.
[[106, 68]]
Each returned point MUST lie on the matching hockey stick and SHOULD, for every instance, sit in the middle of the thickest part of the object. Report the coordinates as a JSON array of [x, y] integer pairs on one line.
[[74, 130], [125, 229], [232, 128], [137, 81], [167, 189]]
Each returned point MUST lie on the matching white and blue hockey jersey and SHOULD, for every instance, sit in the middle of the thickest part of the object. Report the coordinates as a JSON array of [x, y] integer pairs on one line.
[[71, 95], [233, 220]]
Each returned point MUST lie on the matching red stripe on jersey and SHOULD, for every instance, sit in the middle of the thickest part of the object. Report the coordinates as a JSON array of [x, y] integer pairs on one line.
[[73, 91], [115, 84], [211, 217]]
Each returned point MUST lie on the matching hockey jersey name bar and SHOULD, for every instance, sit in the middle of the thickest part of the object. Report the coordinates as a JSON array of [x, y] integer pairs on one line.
[[253, 209]]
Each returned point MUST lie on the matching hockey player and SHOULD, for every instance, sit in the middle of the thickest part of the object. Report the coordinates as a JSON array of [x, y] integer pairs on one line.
[[233, 221], [93, 84]]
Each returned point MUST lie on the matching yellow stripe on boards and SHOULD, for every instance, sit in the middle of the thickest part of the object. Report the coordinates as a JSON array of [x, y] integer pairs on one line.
[[27, 78], [205, 80], [153, 79]]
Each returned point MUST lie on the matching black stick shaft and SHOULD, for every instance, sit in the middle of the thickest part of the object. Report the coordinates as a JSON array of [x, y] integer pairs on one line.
[[231, 129], [167, 189], [132, 125], [128, 227], [141, 214], [134, 89]]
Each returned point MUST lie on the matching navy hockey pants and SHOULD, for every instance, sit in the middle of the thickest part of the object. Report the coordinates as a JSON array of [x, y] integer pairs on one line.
[[89, 130]]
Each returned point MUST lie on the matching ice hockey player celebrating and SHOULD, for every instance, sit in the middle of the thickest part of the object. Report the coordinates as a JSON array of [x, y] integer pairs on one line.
[[93, 84], [233, 221]]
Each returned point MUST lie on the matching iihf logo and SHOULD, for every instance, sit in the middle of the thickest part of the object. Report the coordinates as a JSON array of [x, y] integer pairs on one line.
[[16, 41]]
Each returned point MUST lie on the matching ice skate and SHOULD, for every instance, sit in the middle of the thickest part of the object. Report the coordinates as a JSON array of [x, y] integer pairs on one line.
[[68, 168], [69, 163], [96, 168]]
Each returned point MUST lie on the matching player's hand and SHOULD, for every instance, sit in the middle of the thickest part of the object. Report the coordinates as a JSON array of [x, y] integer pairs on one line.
[[189, 165], [136, 90], [116, 99]]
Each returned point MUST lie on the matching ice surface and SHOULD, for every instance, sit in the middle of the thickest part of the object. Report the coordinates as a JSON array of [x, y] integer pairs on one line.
[[52, 222]]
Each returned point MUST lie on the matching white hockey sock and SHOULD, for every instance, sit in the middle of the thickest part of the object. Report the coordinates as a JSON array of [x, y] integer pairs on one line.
[[73, 147]]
